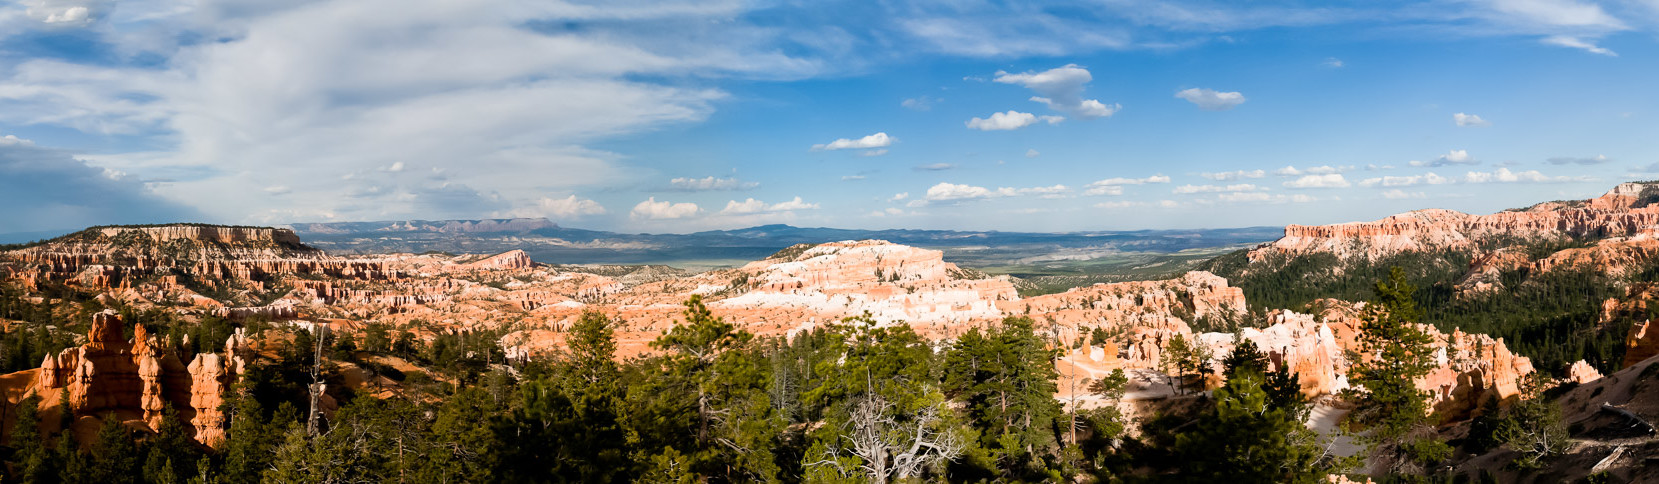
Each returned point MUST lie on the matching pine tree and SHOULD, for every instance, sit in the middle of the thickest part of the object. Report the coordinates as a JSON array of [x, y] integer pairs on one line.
[[712, 378], [1245, 357], [1247, 440], [1174, 361], [1393, 353], [29, 453], [1006, 378]]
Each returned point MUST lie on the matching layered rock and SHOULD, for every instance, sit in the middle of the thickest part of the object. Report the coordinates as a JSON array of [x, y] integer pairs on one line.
[[1642, 343], [211, 376], [1621, 212], [1581, 372], [111, 373], [109, 257]]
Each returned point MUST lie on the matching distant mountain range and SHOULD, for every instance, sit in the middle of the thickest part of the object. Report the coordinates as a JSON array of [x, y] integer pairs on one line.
[[548, 242]]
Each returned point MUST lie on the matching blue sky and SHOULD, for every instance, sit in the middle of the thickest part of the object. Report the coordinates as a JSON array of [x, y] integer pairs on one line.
[[672, 117]]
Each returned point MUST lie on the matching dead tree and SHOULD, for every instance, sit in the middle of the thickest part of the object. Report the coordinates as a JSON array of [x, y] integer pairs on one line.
[[316, 380], [891, 447]]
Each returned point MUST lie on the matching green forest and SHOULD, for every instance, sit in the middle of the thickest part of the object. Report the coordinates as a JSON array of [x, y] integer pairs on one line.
[[852, 402]]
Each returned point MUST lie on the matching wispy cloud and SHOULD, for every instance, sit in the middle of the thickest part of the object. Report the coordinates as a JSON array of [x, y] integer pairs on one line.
[[878, 140], [1212, 100], [1469, 121], [1453, 157], [709, 183]]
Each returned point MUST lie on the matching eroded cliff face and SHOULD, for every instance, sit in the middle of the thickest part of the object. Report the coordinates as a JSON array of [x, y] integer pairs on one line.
[[149, 262], [1621, 212], [112, 373]]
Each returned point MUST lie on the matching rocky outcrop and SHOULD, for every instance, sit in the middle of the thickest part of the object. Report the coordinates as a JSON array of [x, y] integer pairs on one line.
[[1642, 343], [1581, 372], [111, 373], [512, 259], [274, 312], [1618, 213], [1472, 368], [207, 234], [110, 257], [211, 376]]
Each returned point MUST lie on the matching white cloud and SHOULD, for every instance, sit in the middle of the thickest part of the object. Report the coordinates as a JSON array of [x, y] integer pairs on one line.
[[1469, 121], [1061, 89], [1503, 175], [1406, 181], [944, 192], [709, 183], [1056, 191], [1260, 197], [869, 153], [921, 103], [1212, 100], [1120, 204], [1398, 194], [1453, 157], [949, 192], [898, 196], [1009, 121], [1332, 62], [300, 94], [1570, 160], [1578, 43], [13, 140], [1233, 175], [852, 177], [395, 168], [651, 209], [65, 13], [878, 140], [1114, 186], [752, 206], [1098, 190], [1244, 197], [1239, 187], [1573, 14], [1317, 170], [558, 208], [1131, 181], [1334, 180], [1031, 153], [936, 167]]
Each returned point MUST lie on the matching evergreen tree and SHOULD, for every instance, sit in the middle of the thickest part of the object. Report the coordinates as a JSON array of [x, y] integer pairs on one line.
[[248, 444], [1245, 357], [29, 454], [568, 421], [466, 448], [708, 395], [1247, 440], [71, 465], [1006, 377], [114, 455], [171, 453], [1284, 390], [1393, 353]]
